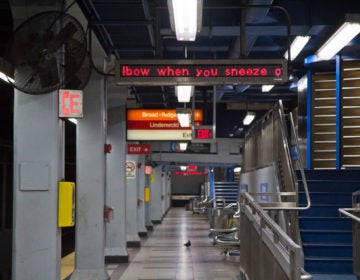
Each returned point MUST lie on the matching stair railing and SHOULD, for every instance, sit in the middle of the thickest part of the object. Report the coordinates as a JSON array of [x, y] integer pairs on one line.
[[288, 161], [262, 239], [349, 212]]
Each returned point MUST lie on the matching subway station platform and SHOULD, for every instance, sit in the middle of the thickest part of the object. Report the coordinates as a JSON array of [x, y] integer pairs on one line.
[[163, 255]]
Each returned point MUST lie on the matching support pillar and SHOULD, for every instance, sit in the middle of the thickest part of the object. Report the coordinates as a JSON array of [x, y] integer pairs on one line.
[[148, 223], [38, 167], [132, 233], [141, 205], [155, 201], [115, 248], [90, 198]]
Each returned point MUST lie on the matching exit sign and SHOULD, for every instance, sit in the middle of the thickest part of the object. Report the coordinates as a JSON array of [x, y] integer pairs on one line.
[[203, 134], [138, 149], [70, 103]]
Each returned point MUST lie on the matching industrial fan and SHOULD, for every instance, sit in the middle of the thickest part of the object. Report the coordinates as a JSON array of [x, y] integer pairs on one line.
[[47, 52]]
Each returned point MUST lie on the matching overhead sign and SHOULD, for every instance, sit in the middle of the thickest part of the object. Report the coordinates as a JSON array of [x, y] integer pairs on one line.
[[70, 103], [201, 72], [138, 149], [158, 124]]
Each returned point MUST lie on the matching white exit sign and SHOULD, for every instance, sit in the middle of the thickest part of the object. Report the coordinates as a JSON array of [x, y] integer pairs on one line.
[[70, 103]]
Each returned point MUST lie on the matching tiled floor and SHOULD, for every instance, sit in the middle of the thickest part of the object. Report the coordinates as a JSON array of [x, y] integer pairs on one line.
[[164, 256]]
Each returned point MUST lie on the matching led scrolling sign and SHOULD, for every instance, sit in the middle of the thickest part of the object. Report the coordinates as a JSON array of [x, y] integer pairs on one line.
[[201, 72]]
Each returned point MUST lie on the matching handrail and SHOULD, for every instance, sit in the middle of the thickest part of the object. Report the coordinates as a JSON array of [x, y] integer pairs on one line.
[[238, 211], [226, 242], [289, 161], [280, 244], [303, 177], [345, 211]]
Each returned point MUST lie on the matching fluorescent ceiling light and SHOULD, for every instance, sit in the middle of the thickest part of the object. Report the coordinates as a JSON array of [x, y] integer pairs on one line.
[[296, 46], [6, 71], [183, 146], [266, 88], [185, 18], [73, 120], [346, 32], [250, 116], [183, 167], [184, 93], [184, 116]]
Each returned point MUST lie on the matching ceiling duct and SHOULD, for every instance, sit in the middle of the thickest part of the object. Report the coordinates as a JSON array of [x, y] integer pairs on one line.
[[253, 15]]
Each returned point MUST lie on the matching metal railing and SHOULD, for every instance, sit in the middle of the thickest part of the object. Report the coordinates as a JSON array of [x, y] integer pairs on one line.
[[292, 185], [277, 255], [354, 214]]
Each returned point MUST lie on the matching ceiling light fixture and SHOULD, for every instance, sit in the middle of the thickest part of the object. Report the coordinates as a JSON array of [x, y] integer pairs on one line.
[[184, 93], [250, 116], [348, 31], [6, 71], [183, 146], [184, 116], [297, 46], [185, 18], [266, 88]]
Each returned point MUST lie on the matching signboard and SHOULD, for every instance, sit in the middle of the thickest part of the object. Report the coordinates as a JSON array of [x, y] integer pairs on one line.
[[70, 103], [158, 124], [130, 169], [138, 149], [201, 72]]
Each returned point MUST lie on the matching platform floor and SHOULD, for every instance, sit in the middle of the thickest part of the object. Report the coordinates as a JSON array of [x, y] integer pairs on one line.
[[163, 255]]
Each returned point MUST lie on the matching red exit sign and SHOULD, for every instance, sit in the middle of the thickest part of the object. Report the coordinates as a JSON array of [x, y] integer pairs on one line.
[[70, 103], [138, 149], [201, 72]]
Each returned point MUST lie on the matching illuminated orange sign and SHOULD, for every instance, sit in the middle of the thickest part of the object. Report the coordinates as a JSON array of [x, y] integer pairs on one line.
[[158, 124]]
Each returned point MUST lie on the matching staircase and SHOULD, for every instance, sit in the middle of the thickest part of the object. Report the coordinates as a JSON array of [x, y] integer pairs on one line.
[[327, 236]]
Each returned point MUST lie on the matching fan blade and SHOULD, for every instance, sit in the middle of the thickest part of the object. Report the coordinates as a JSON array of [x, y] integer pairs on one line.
[[48, 73], [64, 35]]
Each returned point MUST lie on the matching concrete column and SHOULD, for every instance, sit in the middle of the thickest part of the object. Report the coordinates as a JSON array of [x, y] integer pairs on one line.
[[115, 250], [148, 223], [163, 193], [90, 196], [168, 190], [38, 167], [155, 200], [141, 206], [132, 233]]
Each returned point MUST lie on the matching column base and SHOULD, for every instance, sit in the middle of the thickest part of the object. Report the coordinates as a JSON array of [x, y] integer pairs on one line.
[[133, 244], [89, 274], [150, 228], [143, 234], [116, 259], [156, 222]]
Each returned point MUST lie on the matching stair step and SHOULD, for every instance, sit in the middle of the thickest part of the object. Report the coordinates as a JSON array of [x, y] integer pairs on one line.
[[326, 236], [343, 250], [318, 223], [328, 265], [334, 277], [329, 197], [324, 210]]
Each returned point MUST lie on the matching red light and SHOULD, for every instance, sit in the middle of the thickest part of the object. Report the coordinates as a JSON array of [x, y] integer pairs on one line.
[[203, 134], [192, 167], [189, 173]]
